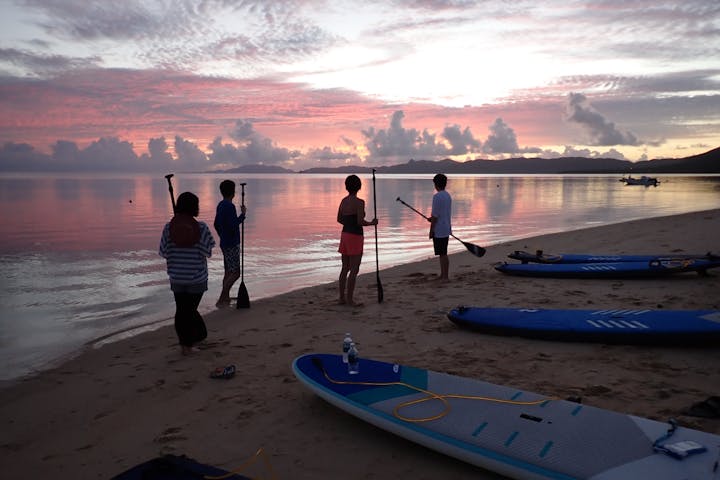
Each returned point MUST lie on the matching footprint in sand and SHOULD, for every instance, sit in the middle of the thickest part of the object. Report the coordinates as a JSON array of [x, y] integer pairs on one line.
[[171, 434]]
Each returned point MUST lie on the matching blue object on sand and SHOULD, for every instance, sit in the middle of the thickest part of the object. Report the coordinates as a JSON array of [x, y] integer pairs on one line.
[[657, 267], [519, 434], [622, 326], [541, 257]]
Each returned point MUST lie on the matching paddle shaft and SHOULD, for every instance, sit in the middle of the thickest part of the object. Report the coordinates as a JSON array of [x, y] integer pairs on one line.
[[243, 299], [472, 248], [413, 209], [242, 235], [377, 255]]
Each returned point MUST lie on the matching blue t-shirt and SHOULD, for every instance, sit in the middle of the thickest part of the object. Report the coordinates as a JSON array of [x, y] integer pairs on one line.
[[227, 224]]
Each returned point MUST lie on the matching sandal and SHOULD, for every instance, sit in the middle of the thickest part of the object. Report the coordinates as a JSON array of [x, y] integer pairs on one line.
[[223, 372]]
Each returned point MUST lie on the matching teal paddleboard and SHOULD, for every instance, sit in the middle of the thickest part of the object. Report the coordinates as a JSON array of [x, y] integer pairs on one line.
[[519, 434]]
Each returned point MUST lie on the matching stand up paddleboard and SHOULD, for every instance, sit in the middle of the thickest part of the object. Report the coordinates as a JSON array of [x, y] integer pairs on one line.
[[522, 435], [541, 257], [656, 267], [667, 327]]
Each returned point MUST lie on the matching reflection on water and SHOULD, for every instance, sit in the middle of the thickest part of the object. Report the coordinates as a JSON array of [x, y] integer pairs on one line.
[[79, 252]]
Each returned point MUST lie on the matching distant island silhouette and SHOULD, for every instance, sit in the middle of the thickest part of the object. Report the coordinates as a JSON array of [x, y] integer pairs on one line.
[[708, 162]]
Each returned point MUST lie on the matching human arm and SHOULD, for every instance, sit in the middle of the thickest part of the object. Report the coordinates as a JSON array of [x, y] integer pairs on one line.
[[433, 220], [433, 216], [361, 216], [207, 242], [164, 238]]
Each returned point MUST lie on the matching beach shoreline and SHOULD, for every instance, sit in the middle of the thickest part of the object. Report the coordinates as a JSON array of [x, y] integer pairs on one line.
[[112, 407]]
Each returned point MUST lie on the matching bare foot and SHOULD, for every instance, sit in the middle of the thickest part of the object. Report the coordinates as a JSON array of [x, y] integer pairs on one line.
[[355, 304], [223, 302], [188, 350], [342, 301]]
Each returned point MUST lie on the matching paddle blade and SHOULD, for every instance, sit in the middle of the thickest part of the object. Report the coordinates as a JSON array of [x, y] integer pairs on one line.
[[474, 249], [243, 299]]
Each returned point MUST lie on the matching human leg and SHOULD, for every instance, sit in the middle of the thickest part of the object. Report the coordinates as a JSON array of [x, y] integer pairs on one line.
[[352, 277], [444, 267], [198, 328], [231, 262], [342, 281], [184, 320], [351, 248], [189, 325], [229, 280], [440, 247]]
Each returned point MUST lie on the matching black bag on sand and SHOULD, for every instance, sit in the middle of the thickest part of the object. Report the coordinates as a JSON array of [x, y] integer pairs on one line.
[[174, 467]]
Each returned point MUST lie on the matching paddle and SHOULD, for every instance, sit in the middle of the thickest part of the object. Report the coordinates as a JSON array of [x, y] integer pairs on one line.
[[243, 299], [472, 248], [377, 256], [170, 188]]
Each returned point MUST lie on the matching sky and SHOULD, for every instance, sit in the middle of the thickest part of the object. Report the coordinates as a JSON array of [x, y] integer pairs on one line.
[[212, 84]]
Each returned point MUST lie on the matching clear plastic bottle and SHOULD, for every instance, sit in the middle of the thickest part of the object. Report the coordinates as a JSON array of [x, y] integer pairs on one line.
[[353, 360], [346, 347]]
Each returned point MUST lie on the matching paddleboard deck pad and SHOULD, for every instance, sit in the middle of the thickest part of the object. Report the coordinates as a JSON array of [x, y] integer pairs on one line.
[[541, 257], [657, 267], [620, 326], [520, 434]]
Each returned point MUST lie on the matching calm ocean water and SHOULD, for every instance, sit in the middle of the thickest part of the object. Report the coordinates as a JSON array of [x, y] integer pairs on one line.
[[79, 252]]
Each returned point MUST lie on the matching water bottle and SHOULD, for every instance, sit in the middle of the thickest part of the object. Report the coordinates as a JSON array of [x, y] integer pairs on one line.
[[346, 347], [353, 360]]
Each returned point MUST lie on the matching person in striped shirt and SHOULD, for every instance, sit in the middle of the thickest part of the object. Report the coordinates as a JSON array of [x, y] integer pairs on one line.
[[186, 244]]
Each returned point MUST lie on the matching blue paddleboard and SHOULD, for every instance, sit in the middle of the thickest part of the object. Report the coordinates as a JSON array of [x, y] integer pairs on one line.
[[657, 267], [668, 327], [541, 257], [519, 434]]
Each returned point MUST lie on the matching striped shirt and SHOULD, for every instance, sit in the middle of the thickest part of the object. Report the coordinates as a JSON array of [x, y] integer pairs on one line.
[[187, 266]]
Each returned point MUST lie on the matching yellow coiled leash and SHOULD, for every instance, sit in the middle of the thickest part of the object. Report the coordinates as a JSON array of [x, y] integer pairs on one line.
[[443, 398]]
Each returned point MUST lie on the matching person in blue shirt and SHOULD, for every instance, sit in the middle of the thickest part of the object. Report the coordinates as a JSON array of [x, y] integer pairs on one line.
[[186, 244], [227, 225]]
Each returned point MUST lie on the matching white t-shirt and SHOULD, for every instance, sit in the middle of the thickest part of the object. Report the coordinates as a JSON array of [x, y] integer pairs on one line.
[[442, 210]]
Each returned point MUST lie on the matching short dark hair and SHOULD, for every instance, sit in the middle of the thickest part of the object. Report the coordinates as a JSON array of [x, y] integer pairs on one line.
[[440, 181], [353, 183], [188, 203], [227, 188]]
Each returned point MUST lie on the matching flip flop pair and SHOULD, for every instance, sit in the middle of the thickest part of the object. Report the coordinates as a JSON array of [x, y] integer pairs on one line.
[[223, 372]]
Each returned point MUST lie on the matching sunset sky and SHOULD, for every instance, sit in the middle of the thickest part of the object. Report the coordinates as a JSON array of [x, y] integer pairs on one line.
[[208, 84]]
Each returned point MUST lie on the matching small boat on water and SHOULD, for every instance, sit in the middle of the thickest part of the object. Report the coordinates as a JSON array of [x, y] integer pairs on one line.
[[644, 180]]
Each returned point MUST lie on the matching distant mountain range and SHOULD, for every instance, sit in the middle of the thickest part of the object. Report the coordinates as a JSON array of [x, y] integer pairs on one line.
[[708, 162], [256, 168]]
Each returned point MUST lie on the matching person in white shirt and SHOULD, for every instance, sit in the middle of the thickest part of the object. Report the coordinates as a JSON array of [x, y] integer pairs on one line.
[[440, 226]]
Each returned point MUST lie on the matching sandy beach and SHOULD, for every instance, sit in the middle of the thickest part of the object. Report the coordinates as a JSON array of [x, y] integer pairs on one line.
[[113, 407]]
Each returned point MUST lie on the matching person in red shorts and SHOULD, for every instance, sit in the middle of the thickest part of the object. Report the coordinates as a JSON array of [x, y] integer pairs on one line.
[[351, 214]]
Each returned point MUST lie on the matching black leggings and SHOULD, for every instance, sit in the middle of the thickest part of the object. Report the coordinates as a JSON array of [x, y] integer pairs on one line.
[[189, 324]]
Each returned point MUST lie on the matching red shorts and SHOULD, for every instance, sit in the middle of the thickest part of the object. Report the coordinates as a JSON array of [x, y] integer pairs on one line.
[[351, 244]]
